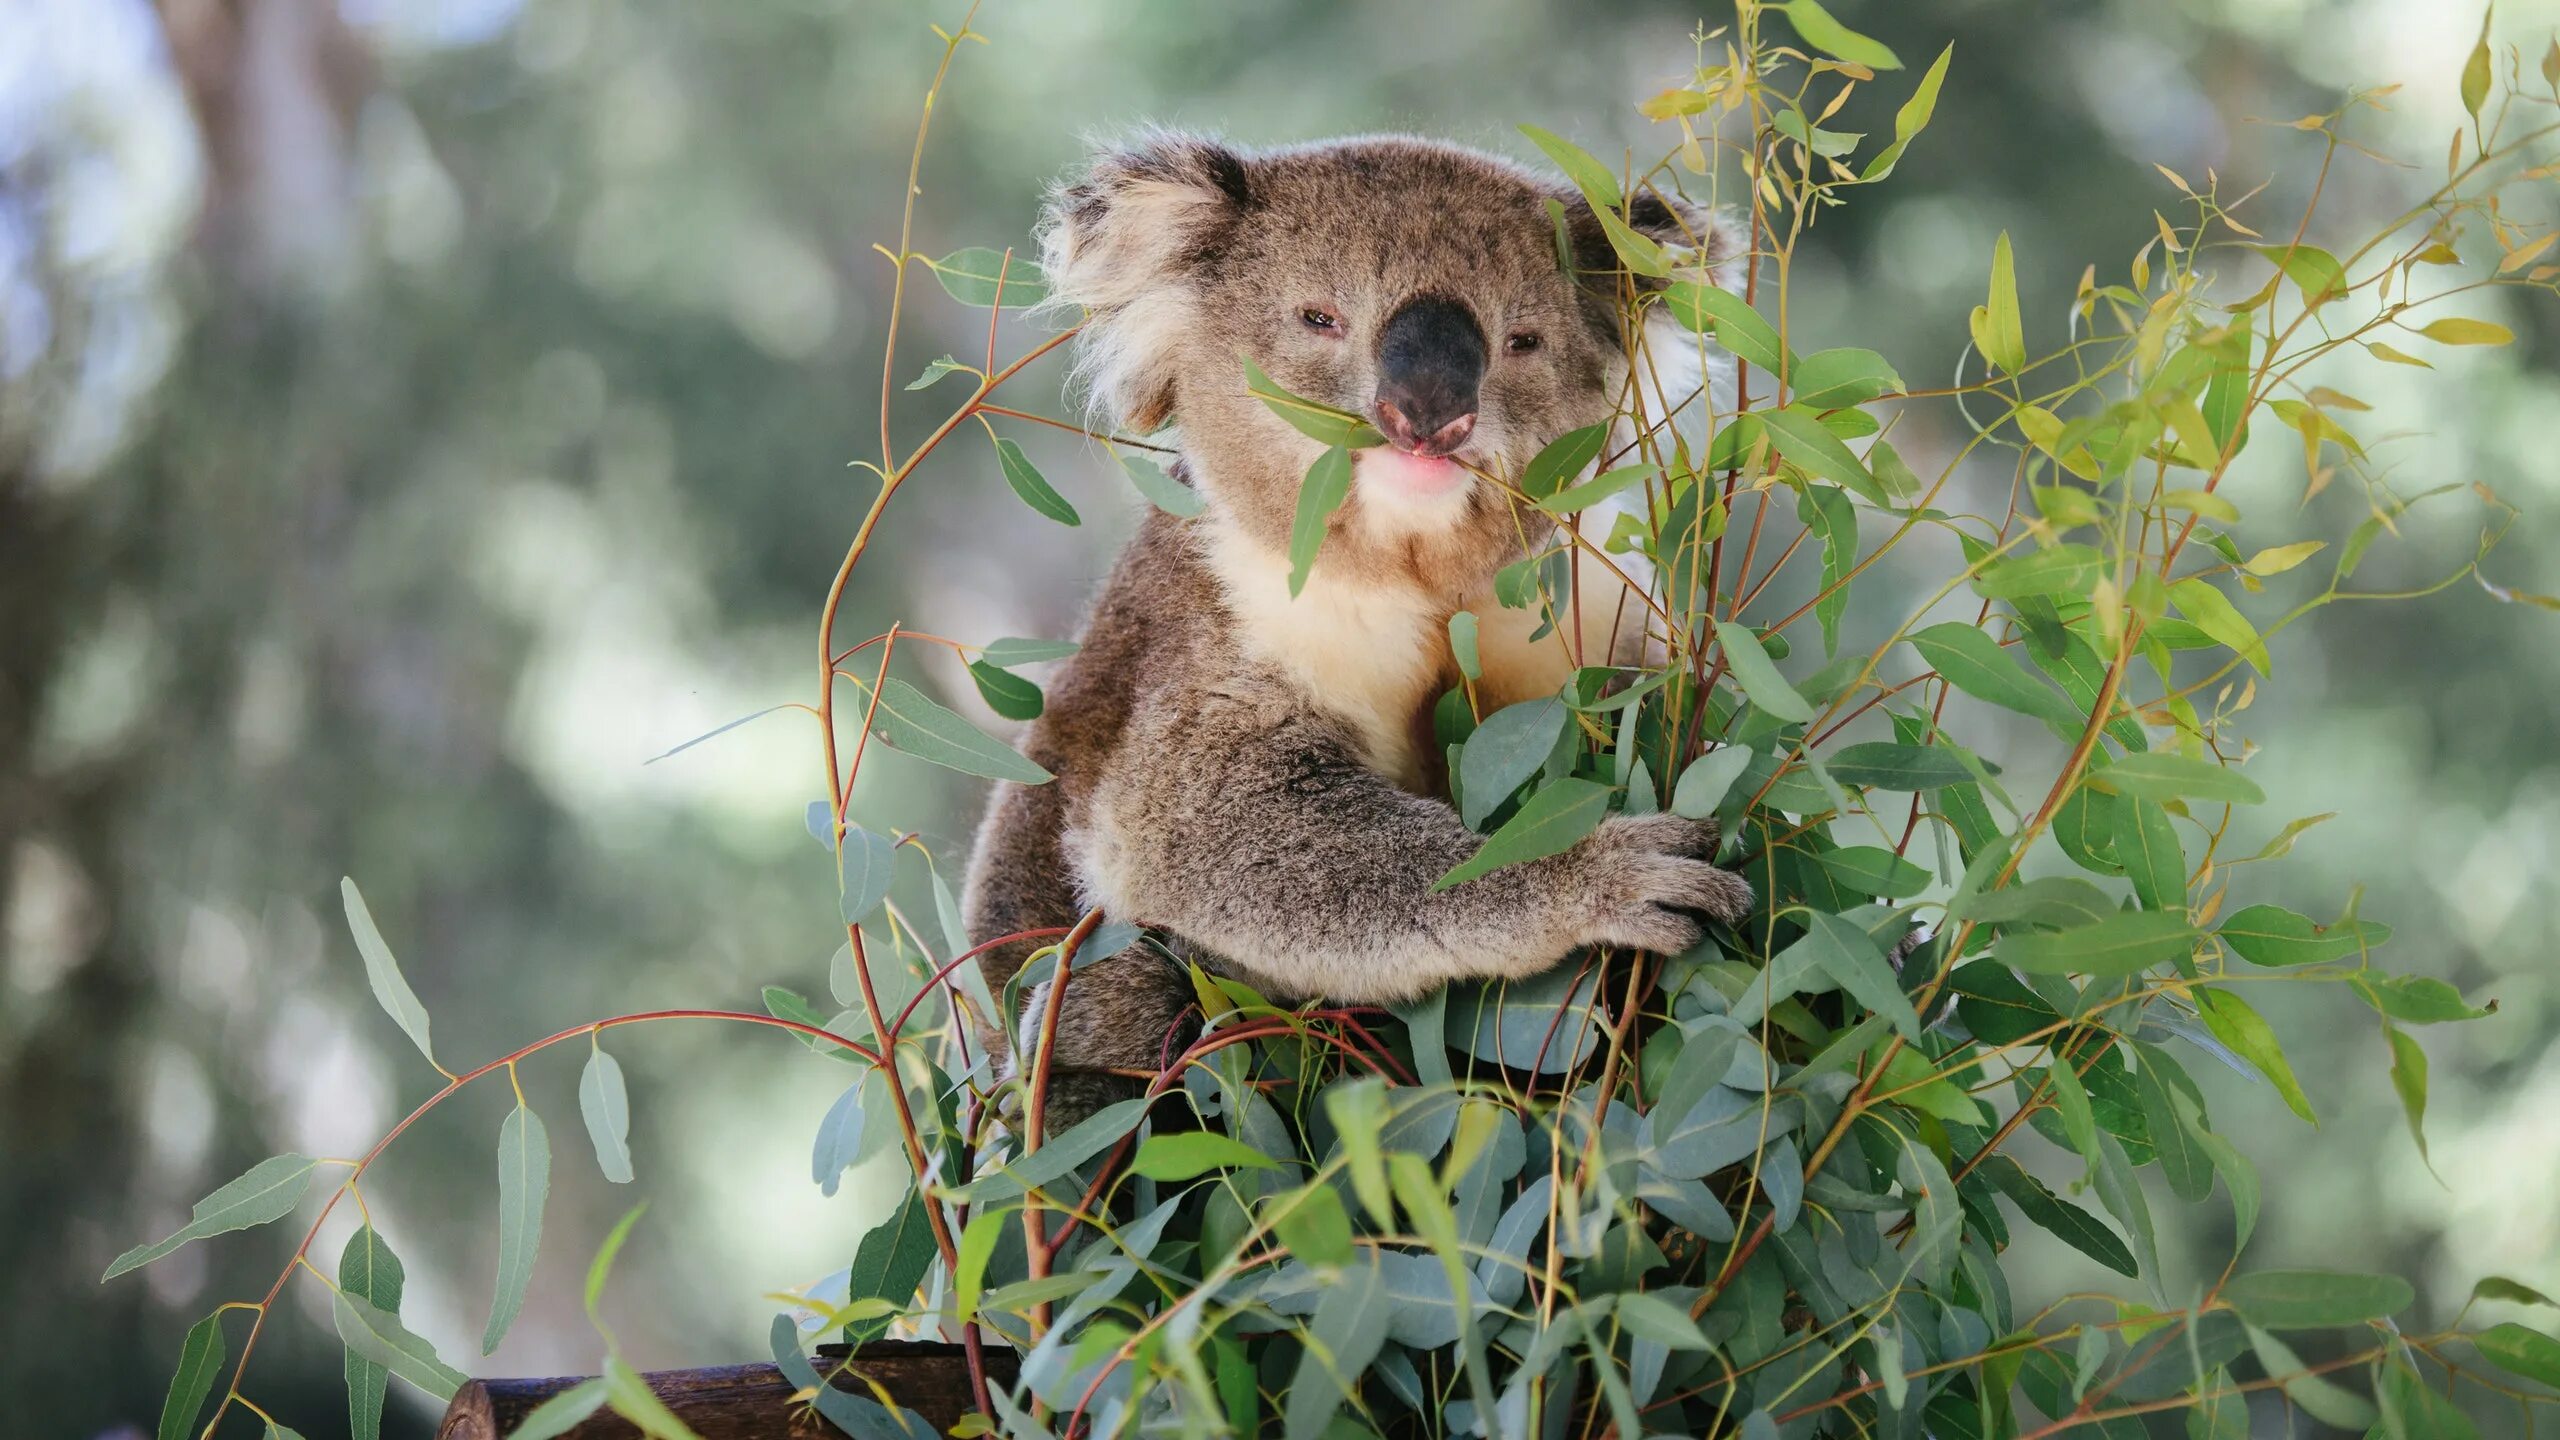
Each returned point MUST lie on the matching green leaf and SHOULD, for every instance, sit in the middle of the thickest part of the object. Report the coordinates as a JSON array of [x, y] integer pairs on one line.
[[2273, 936], [198, 1361], [2071, 1102], [2147, 846], [1161, 490], [1588, 175], [2315, 1299], [2514, 1292], [1596, 489], [1013, 650], [1006, 693], [1463, 632], [1547, 823], [866, 861], [524, 1183], [1650, 1317], [1830, 379], [2476, 70], [2067, 1222], [2313, 271], [1709, 778], [977, 1247], [1857, 964], [1874, 870], [2164, 775], [2235, 1024], [1311, 1223], [1566, 456], [2319, 1396], [1639, 252], [1836, 40], [381, 1338], [1339, 429], [2169, 1117], [2461, 330], [268, 1191], [839, 1140], [917, 726], [382, 972], [1057, 1154], [1347, 1331], [2214, 614], [782, 1004], [368, 1270], [561, 1413], [969, 276], [633, 1400], [1738, 327], [600, 1268], [1911, 119], [2123, 944], [1758, 675], [1801, 438], [2409, 1081], [890, 1263], [2417, 999], [2519, 1350], [1193, 1153], [1998, 1007], [1887, 765], [1031, 485], [935, 371], [1998, 331], [605, 1105], [1511, 745], [1327, 485], [1981, 667], [2411, 1410]]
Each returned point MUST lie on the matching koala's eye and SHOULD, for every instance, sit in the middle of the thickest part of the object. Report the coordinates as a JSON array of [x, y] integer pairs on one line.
[[1319, 318], [1521, 342]]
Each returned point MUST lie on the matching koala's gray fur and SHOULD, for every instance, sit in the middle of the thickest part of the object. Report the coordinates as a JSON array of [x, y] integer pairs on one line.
[[1254, 774]]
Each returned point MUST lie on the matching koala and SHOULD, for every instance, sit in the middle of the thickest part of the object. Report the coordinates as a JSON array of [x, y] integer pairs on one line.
[[1253, 774]]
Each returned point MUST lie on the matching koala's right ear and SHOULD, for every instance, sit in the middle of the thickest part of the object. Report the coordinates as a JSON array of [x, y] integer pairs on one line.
[[1123, 242]]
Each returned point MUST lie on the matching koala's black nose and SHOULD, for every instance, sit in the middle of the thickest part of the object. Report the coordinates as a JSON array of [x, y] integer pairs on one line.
[[1431, 359]]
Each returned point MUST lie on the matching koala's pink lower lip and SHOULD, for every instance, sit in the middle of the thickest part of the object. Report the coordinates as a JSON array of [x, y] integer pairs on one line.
[[1421, 476]]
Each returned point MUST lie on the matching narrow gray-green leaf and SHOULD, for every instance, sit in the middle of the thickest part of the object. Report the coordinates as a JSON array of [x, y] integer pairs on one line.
[[368, 1270], [606, 1106], [1857, 964], [524, 1183], [1980, 667], [1032, 486], [381, 1338], [1161, 490], [2315, 1299], [1709, 778], [2122, 944], [1593, 179], [1508, 748], [1006, 693], [1758, 675], [970, 276], [1339, 429], [1738, 327], [1830, 379], [1547, 823], [1013, 650], [1888, 765], [561, 1413], [1816, 451], [382, 972], [1565, 457], [866, 862], [269, 1191], [917, 726], [839, 1140], [2163, 775], [198, 1360], [1327, 485]]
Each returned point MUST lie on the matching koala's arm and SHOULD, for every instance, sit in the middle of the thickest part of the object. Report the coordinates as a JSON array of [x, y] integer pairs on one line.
[[1252, 829]]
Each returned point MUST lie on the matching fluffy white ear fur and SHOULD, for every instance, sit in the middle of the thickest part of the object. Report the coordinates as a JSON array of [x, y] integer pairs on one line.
[[1111, 245]]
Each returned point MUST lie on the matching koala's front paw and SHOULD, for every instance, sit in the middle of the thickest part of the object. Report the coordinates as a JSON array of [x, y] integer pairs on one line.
[[1647, 878]]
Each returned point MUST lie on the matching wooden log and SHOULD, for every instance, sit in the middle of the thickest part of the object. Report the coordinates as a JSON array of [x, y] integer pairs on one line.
[[747, 1402]]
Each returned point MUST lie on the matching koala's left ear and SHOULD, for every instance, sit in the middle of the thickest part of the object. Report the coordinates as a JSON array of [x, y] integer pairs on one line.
[[1700, 237], [1123, 241]]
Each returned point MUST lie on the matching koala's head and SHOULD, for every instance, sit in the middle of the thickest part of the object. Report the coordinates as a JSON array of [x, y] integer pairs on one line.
[[1417, 284]]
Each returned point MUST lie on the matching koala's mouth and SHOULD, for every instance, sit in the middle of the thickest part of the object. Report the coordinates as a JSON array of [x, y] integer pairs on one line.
[[1408, 476]]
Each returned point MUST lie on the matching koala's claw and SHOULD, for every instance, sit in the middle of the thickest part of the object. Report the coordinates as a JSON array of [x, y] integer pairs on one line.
[[1651, 876]]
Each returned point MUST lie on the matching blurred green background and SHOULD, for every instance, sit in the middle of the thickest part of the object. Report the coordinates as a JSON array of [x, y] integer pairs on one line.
[[414, 414]]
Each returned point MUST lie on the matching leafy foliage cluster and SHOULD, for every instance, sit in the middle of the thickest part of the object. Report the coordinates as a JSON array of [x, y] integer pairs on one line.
[[1763, 1188]]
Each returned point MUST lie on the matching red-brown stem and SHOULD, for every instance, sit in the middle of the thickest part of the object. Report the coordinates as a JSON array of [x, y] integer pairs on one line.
[[302, 1251], [1039, 1248]]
